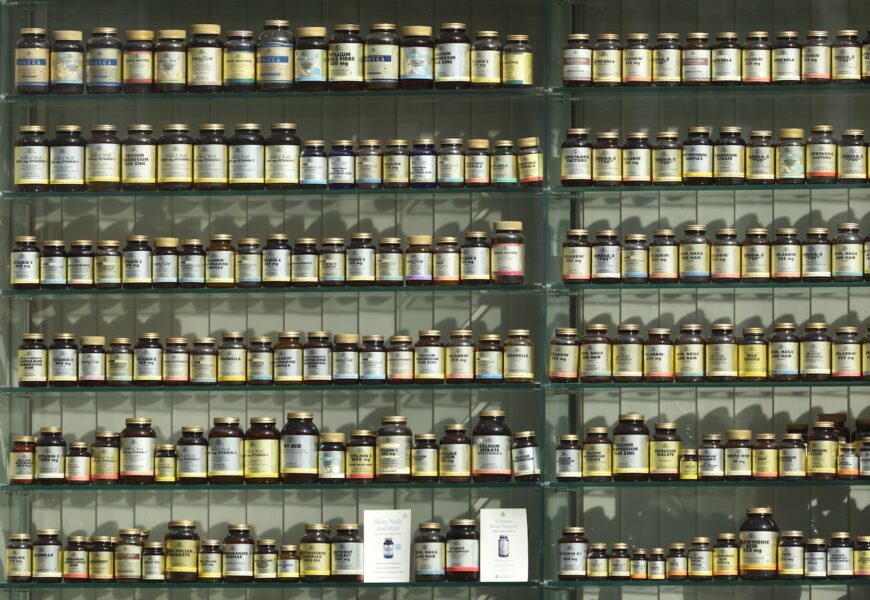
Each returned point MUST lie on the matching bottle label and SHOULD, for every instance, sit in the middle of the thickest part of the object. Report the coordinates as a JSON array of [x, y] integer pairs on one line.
[[310, 65], [274, 63], [728, 161], [576, 64], [504, 168], [203, 368], [666, 65], [815, 564], [181, 556], [726, 64], [102, 163], [790, 162], [424, 462], [446, 267], [694, 260], [454, 460], [164, 268], [821, 160], [153, 567], [619, 567], [846, 360], [595, 360], [463, 556], [700, 563], [373, 366], [756, 65], [816, 260], [219, 266], [786, 261], [210, 163], [636, 164], [170, 67], [191, 461], [663, 262], [606, 164], [636, 65], [491, 456], [725, 562], [862, 563], [240, 67], [396, 168], [760, 163], [104, 463], [138, 164], [667, 165], [597, 460], [628, 360], [148, 364], [563, 361], [846, 63], [49, 462], [67, 165], [53, 270], [847, 465], [209, 566], [304, 268], [696, 65], [576, 164], [596, 567], [347, 558], [752, 360], [738, 462], [711, 462], [32, 366], [317, 364], [765, 463], [840, 561], [204, 66], [518, 362], [639, 569], [634, 263], [569, 463], [265, 566], [400, 365], [477, 169], [21, 466], [246, 164], [164, 469], [137, 456], [848, 260], [755, 261], [489, 364], [676, 566], [725, 262], [697, 161], [260, 366], [423, 168], [330, 464], [261, 458], [276, 265], [852, 160], [107, 269], [31, 165], [288, 365], [360, 462], [345, 365], [381, 62], [48, 561], [786, 64], [816, 62], [525, 461], [428, 362], [508, 259], [630, 454], [429, 558], [67, 68], [450, 168], [486, 66], [606, 66], [576, 263], [517, 68], [128, 561], [341, 169], [822, 457], [815, 358], [418, 266], [368, 169], [345, 62], [665, 457], [606, 262], [792, 462], [331, 266], [452, 62], [688, 469], [92, 366], [174, 163], [62, 364], [288, 568], [529, 167], [389, 267], [138, 66], [416, 63], [119, 367], [722, 359], [231, 364], [460, 362], [225, 458], [758, 550], [31, 67]]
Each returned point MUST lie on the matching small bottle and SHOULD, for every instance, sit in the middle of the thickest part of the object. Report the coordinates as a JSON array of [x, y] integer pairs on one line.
[[331, 458], [288, 563], [597, 562], [698, 157], [138, 62], [577, 61], [170, 61], [790, 156], [697, 60], [658, 356], [607, 61], [503, 164], [677, 563], [694, 255], [360, 456], [564, 356], [597, 465], [815, 353], [790, 555], [816, 58], [821, 155], [726, 60], [262, 451], [725, 557], [530, 162], [462, 551], [729, 153], [347, 554], [756, 59], [667, 159], [852, 157], [486, 61], [665, 448], [424, 458], [239, 68], [525, 460]]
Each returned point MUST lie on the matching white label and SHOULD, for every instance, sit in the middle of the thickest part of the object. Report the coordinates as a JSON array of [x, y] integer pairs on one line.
[[345, 365], [816, 62], [164, 268], [755, 261], [848, 260], [759, 163], [486, 66], [345, 62], [606, 164], [347, 558], [815, 564], [728, 160], [49, 462], [630, 454], [786, 64], [393, 455], [846, 360], [452, 62], [711, 462], [225, 457], [423, 168], [148, 364], [606, 262], [299, 454], [846, 63], [450, 168], [246, 163], [288, 365], [191, 460], [31, 165], [606, 66], [696, 65], [428, 362], [191, 268], [238, 560], [92, 366], [508, 259], [341, 169], [137, 266], [210, 163], [454, 460], [317, 364], [67, 165], [418, 266], [636, 164], [576, 164], [446, 266], [569, 463], [852, 161], [816, 259], [231, 364], [62, 364], [53, 270], [572, 558], [666, 65], [219, 266], [137, 456], [249, 268], [783, 358], [373, 366], [381, 62], [697, 161], [576, 64], [477, 169], [282, 164], [368, 168], [138, 164], [429, 558], [492, 455], [756, 65], [840, 561], [792, 462], [304, 268], [174, 163], [463, 555], [102, 163], [205, 66], [460, 362], [313, 170], [738, 462], [815, 358], [525, 461], [32, 365], [47, 561], [475, 264], [821, 160], [276, 264]]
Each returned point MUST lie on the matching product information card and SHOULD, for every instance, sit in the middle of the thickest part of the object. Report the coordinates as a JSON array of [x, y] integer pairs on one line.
[[504, 544], [387, 546]]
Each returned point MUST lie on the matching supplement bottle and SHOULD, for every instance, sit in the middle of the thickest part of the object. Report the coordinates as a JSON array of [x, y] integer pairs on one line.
[[530, 162], [175, 159], [332, 456], [577, 61], [816, 58], [205, 59], [790, 157], [756, 59], [170, 61], [697, 60], [576, 158], [491, 454], [452, 60], [246, 163], [31, 156], [525, 458], [462, 551], [637, 60], [628, 354], [658, 356], [66, 166], [486, 61], [347, 554], [760, 158], [239, 68], [667, 159], [424, 458], [103, 62], [360, 456], [564, 356], [725, 557], [274, 71], [821, 155], [631, 459], [759, 538], [595, 355], [32, 64], [517, 62], [67, 62], [852, 156], [315, 553], [607, 160], [381, 57], [137, 452], [786, 67], [790, 555], [726, 59], [573, 549], [728, 157], [182, 545], [664, 449], [698, 157], [607, 61], [139, 159], [211, 158], [597, 455], [345, 59], [138, 62], [429, 553], [416, 58], [225, 452], [262, 451]]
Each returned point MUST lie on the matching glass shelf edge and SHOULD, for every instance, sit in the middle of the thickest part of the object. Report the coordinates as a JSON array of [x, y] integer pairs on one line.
[[534, 191], [413, 388], [564, 486], [582, 288], [574, 387], [567, 585], [563, 190], [102, 585]]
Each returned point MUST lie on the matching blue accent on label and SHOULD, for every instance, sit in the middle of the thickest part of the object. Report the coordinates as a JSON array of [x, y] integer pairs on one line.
[[31, 62], [269, 59], [490, 376], [102, 62]]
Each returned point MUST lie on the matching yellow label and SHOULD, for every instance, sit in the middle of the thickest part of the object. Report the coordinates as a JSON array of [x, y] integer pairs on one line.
[[314, 559], [765, 463], [360, 462], [724, 561], [688, 470], [517, 68], [19, 562], [239, 67], [181, 556], [758, 550], [164, 469], [862, 563], [597, 460], [101, 565], [665, 457], [822, 457], [752, 360], [261, 458]]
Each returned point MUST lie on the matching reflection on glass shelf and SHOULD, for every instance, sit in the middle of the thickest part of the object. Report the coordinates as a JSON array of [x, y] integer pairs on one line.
[[798, 89], [369, 290], [565, 288], [566, 388], [12, 195], [284, 487], [567, 585], [289, 586], [271, 389], [708, 188], [296, 95]]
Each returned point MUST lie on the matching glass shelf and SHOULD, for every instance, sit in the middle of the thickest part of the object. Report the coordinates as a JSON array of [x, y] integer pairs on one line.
[[568, 486], [658, 189], [801, 89], [567, 388], [296, 95], [561, 289], [13, 195], [106, 585], [573, 585], [269, 389], [368, 290], [281, 487]]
